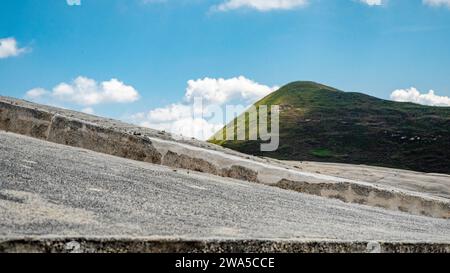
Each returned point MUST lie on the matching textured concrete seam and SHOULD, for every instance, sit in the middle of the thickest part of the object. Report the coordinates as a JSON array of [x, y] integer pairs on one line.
[[143, 245], [371, 196]]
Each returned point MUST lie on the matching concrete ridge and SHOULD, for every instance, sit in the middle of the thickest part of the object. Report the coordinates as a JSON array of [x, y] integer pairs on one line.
[[137, 143], [83, 244]]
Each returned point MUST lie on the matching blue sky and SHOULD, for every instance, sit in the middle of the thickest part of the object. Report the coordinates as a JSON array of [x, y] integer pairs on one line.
[[149, 50]]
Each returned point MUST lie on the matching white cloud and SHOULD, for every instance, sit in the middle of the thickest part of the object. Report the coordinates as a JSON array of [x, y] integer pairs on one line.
[[169, 113], [193, 120], [178, 119], [153, 1], [198, 128], [414, 95], [36, 93], [220, 91], [9, 48], [260, 5], [373, 2], [437, 3], [268, 5], [85, 92], [73, 2], [88, 110]]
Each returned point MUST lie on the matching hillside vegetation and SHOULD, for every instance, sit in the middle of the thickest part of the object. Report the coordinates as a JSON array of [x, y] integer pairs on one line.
[[321, 123]]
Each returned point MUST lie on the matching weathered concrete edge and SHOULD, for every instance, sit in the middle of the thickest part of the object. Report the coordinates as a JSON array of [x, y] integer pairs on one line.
[[54, 127], [370, 196], [152, 245]]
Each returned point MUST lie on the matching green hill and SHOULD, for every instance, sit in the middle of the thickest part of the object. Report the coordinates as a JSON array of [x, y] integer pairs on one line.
[[321, 123]]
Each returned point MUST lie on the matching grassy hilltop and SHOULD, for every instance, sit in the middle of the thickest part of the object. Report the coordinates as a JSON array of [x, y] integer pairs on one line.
[[321, 123]]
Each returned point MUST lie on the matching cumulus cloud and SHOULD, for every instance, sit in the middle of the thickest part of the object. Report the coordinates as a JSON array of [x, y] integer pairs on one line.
[[373, 2], [85, 92], [414, 95], [36, 93], [179, 119], [220, 90], [10, 48], [169, 113], [193, 117], [268, 5], [260, 5], [88, 110], [153, 1], [73, 2], [437, 3]]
